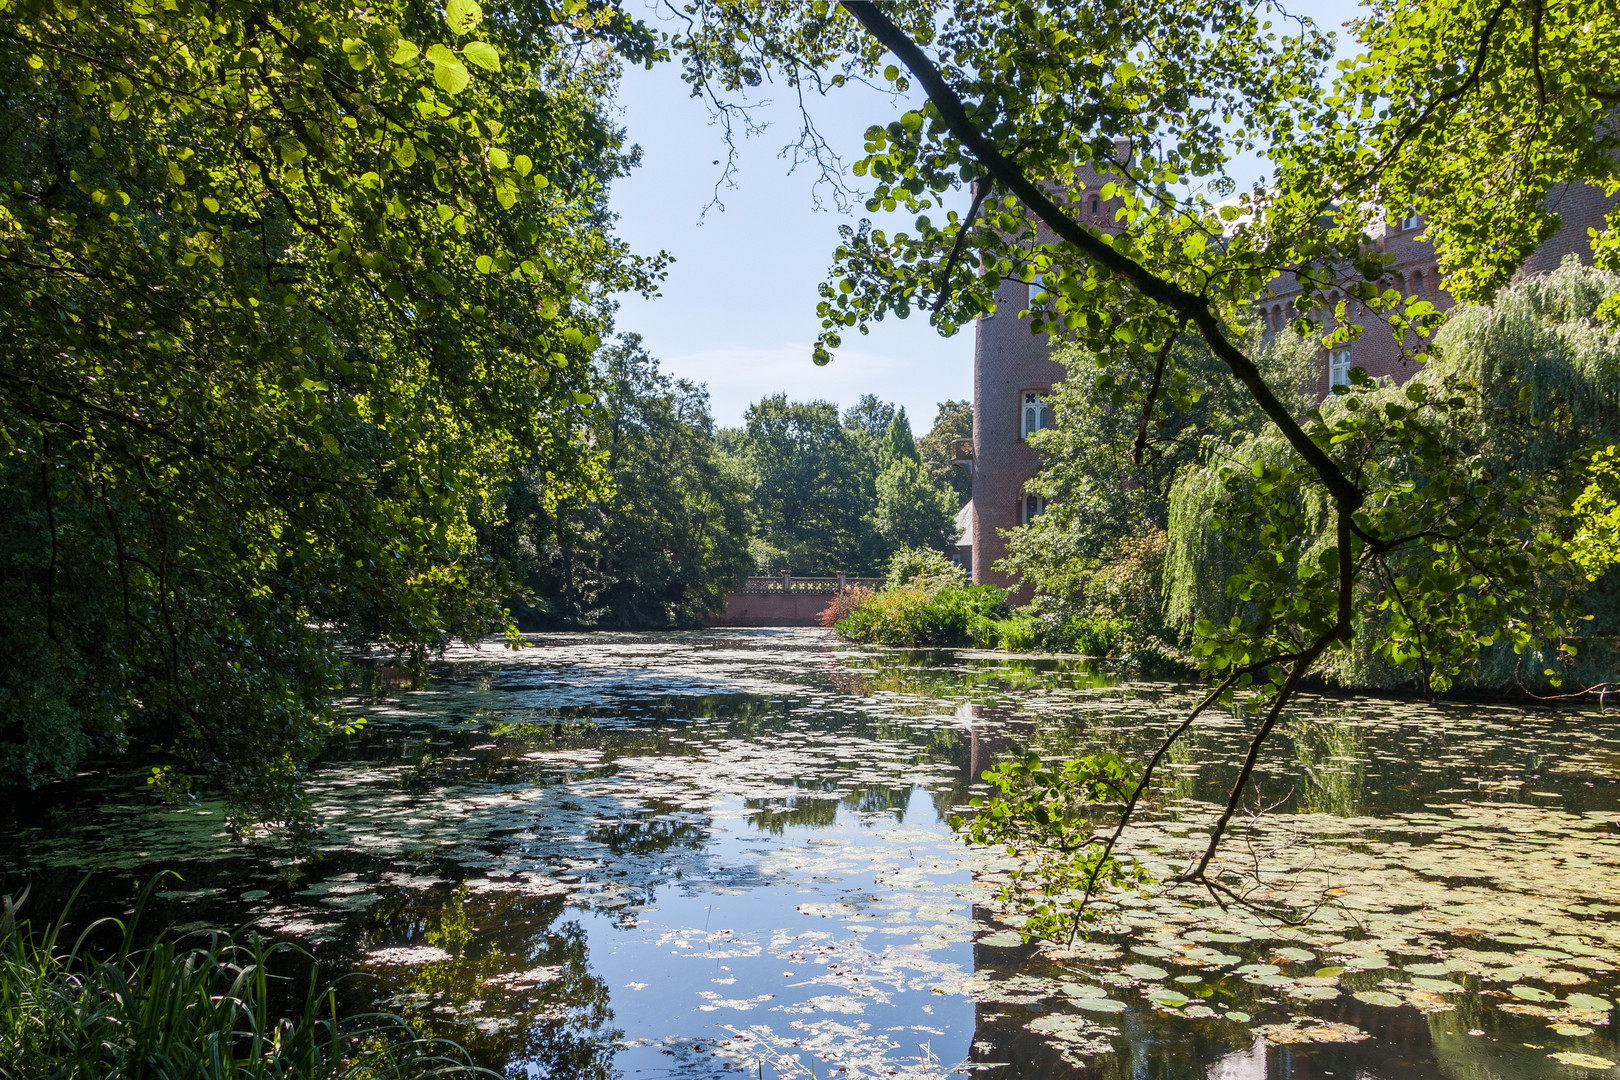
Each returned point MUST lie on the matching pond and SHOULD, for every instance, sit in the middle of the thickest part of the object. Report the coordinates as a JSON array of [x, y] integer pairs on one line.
[[729, 852]]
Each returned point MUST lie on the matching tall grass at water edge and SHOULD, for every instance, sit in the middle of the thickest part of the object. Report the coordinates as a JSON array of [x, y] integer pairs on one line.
[[196, 1008]]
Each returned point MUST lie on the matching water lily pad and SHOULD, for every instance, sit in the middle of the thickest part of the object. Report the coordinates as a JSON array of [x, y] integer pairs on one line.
[[1573, 1031], [1531, 993], [1379, 997], [1084, 990], [1098, 1004], [1168, 998], [1438, 986], [1238, 1017], [1297, 1032], [1582, 1061], [1367, 963], [1312, 993], [1189, 979], [1587, 1002], [1002, 939], [1426, 969], [1146, 971], [1298, 956], [1329, 971]]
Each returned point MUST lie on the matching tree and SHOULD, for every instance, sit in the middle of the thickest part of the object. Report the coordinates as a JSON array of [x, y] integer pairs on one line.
[[812, 483], [667, 538], [287, 292], [1456, 108], [1542, 340], [937, 450], [910, 512], [868, 420], [1108, 476]]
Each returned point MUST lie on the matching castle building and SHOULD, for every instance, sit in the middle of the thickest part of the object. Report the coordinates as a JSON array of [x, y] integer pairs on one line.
[[1013, 369]]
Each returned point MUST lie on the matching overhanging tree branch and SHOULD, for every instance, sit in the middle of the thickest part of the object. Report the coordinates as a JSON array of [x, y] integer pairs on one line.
[[1191, 307]]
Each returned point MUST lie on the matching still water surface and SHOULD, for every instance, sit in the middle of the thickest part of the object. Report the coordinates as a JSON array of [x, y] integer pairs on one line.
[[689, 855]]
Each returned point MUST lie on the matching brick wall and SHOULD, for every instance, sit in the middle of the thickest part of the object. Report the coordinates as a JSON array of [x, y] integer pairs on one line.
[[1009, 360], [1580, 207]]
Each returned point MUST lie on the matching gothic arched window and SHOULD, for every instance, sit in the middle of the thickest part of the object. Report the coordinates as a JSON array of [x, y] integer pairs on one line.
[[1037, 413]]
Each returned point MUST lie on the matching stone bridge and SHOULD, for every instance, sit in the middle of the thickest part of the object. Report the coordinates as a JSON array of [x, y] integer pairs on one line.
[[784, 600]]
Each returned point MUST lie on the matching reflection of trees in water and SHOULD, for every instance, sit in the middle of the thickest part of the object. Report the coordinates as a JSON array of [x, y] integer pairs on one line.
[[632, 836], [1331, 752], [945, 675], [516, 990], [1181, 769], [821, 811]]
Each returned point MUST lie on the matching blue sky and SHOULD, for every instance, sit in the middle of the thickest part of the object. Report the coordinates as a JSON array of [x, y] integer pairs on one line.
[[737, 311]]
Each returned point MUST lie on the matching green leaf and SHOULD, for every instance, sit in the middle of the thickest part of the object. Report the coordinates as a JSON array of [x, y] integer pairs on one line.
[[463, 15], [483, 54], [448, 73], [405, 154], [404, 52]]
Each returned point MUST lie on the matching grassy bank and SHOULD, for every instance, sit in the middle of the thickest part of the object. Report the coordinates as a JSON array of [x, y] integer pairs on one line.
[[199, 1008]]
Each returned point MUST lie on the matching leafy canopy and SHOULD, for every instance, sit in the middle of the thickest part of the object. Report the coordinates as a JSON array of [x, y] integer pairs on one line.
[[287, 291]]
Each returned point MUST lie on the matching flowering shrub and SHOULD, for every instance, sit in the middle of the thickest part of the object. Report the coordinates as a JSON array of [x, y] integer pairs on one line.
[[845, 602]]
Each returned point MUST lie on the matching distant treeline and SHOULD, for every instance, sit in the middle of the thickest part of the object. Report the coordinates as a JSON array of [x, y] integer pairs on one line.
[[691, 510]]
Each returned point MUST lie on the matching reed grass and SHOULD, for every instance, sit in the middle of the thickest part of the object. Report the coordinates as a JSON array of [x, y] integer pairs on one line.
[[200, 1007]]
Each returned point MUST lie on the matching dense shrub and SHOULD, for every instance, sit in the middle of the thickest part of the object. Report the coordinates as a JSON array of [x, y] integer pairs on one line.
[[914, 614], [910, 565]]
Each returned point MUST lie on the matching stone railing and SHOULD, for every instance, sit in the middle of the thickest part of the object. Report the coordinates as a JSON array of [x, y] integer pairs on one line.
[[787, 583]]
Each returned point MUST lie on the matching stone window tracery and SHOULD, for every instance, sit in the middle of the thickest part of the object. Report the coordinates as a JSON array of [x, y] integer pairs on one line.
[[1037, 413]]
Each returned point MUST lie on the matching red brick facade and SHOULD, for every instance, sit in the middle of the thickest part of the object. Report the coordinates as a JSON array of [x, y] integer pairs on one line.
[[1580, 207], [1009, 361]]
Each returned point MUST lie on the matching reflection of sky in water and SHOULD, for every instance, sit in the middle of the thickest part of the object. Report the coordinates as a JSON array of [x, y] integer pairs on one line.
[[687, 854], [840, 956]]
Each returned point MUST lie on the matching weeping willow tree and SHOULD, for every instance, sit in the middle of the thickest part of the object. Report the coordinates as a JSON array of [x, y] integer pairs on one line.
[[1053, 112], [1109, 473], [1541, 368]]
